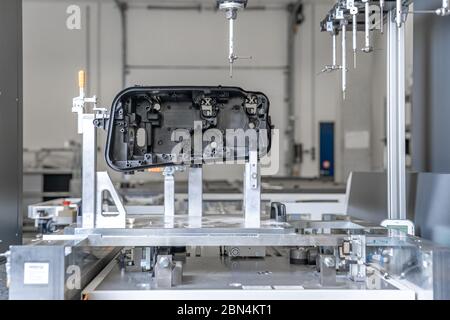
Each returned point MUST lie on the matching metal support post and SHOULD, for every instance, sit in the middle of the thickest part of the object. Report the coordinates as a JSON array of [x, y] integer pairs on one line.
[[252, 191], [169, 191], [195, 191], [396, 170], [89, 187]]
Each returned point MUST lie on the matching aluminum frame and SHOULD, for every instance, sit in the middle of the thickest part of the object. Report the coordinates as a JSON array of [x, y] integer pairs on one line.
[[211, 284], [396, 168]]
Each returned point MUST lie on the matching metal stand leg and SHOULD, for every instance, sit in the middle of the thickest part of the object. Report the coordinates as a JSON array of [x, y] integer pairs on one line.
[[89, 168], [169, 192], [252, 192], [195, 191], [396, 119]]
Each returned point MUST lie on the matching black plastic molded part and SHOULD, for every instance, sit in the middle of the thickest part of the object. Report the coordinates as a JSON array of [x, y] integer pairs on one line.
[[159, 111]]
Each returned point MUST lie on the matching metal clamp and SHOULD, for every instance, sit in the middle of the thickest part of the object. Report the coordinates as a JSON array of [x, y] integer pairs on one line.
[[357, 259]]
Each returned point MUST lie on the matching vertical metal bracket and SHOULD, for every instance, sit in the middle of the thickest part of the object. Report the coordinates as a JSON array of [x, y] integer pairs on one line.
[[396, 168], [327, 265], [169, 191], [252, 191], [195, 191], [89, 167], [164, 271]]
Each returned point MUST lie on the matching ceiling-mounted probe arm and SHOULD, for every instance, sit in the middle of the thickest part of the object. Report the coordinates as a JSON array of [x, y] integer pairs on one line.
[[231, 8], [359, 14], [354, 12]]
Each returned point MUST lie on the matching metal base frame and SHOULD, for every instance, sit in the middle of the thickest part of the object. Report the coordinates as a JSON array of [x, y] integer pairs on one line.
[[215, 278]]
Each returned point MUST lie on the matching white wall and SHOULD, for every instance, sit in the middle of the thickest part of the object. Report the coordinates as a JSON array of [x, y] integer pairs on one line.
[[319, 98], [379, 89], [53, 54]]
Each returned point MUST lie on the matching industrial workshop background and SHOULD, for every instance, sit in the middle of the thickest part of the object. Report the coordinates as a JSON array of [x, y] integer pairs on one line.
[[121, 45], [59, 197]]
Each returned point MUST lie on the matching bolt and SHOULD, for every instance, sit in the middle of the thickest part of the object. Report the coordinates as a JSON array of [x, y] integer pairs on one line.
[[164, 262], [329, 262], [231, 14]]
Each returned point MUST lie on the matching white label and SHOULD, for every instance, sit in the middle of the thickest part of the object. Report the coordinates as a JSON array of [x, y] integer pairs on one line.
[[357, 140], [35, 273]]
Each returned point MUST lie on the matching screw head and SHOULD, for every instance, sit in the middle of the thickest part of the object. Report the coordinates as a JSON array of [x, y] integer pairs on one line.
[[329, 262], [164, 262]]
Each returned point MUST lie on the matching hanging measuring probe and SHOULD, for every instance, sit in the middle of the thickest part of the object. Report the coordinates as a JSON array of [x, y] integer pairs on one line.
[[334, 66], [354, 13], [333, 29], [367, 46], [231, 8], [344, 57], [343, 16], [382, 16], [343, 22]]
